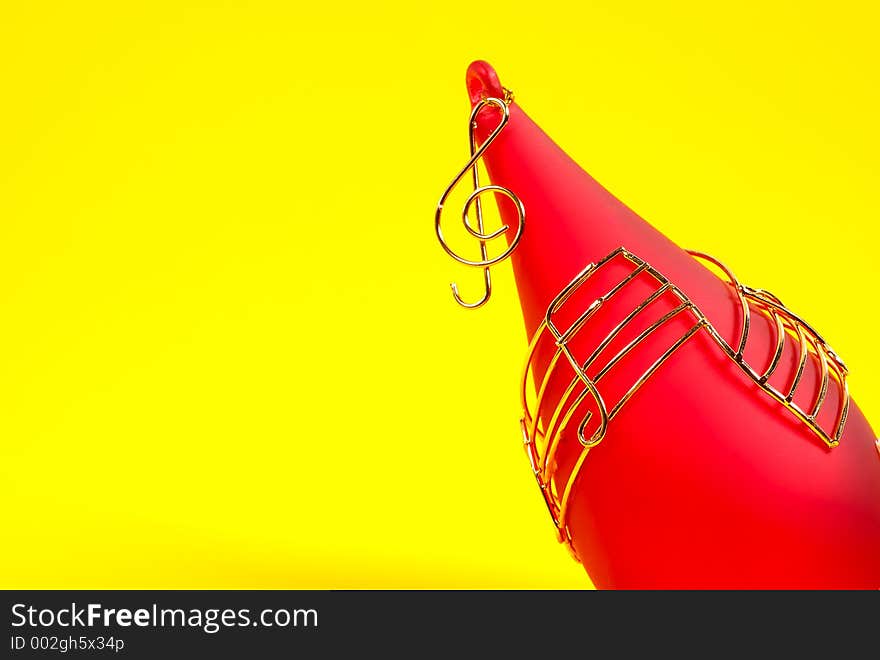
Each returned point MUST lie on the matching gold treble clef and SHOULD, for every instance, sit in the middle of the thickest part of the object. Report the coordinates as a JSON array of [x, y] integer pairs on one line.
[[479, 232]]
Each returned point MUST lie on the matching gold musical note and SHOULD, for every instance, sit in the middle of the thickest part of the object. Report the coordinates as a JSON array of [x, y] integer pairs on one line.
[[479, 231]]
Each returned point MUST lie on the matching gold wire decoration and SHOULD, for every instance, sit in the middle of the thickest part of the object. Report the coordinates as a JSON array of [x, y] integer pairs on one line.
[[542, 438], [479, 232]]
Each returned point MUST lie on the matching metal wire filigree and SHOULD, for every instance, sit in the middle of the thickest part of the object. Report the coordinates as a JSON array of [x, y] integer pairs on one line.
[[479, 232], [542, 430]]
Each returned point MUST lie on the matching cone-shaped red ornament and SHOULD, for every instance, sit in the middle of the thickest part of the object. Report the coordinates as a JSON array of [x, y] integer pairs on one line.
[[702, 479]]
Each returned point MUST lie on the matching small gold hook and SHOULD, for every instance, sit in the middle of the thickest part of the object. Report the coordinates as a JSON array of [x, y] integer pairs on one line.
[[487, 279]]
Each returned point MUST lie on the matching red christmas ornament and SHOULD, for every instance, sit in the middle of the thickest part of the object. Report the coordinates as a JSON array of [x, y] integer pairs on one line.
[[687, 431]]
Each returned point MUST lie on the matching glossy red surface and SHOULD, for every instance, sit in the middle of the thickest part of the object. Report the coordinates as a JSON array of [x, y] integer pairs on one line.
[[703, 480]]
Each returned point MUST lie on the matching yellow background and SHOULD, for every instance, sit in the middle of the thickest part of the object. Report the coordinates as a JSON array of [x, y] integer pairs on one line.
[[228, 352]]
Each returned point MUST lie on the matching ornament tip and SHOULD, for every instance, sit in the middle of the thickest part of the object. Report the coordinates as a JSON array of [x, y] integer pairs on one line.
[[482, 81]]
